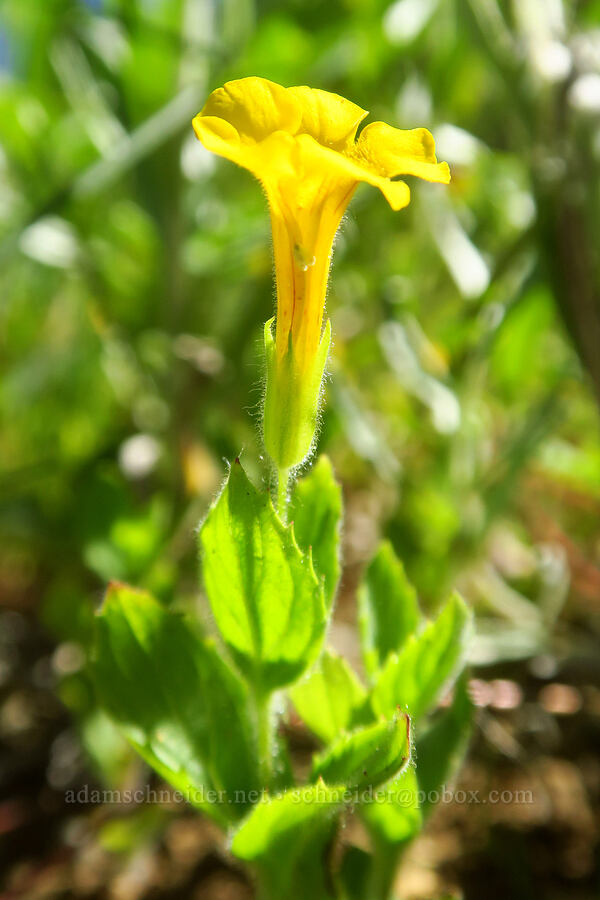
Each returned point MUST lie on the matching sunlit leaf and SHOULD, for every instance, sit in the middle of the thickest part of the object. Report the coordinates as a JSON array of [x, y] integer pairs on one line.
[[367, 757], [176, 701], [263, 591], [294, 827], [328, 697], [316, 511], [414, 678], [388, 607]]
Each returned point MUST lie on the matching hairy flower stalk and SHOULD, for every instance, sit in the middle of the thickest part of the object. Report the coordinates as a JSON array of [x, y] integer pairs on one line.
[[301, 144]]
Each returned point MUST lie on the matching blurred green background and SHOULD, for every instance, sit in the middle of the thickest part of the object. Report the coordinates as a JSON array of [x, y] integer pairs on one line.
[[462, 402]]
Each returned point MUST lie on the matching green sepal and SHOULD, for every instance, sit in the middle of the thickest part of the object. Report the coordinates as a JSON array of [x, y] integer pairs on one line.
[[292, 397], [264, 594]]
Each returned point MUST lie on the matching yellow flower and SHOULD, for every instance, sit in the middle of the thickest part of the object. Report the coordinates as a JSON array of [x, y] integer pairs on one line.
[[301, 144]]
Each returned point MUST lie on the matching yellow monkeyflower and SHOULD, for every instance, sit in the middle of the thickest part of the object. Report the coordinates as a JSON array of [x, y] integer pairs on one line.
[[301, 144]]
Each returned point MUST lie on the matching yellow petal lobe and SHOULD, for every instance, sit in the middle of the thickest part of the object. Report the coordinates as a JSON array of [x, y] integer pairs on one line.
[[255, 107], [392, 151], [330, 119]]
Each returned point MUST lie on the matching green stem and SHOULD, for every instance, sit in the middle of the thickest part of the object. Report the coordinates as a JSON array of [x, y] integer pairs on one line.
[[385, 864], [265, 738], [283, 477]]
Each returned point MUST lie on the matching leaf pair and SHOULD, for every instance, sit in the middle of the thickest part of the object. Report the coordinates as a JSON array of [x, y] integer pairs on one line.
[[183, 707], [286, 836], [195, 717], [410, 662]]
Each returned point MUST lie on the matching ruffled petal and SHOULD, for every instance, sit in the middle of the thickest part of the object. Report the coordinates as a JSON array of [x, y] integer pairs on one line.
[[345, 171], [307, 136], [392, 151], [330, 119], [255, 107], [218, 136], [397, 193], [268, 160]]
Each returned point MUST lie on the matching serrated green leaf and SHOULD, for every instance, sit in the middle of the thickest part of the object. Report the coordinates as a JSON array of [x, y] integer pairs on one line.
[[275, 819], [286, 838], [442, 748], [176, 700], [415, 677], [388, 608], [328, 697], [263, 591], [368, 757], [316, 511], [397, 818]]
